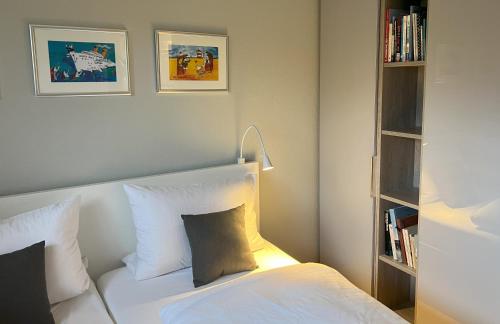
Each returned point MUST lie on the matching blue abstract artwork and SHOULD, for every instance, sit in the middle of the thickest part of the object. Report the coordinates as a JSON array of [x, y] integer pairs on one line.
[[82, 61]]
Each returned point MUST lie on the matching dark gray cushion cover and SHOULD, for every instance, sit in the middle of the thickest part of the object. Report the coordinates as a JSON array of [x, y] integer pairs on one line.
[[219, 244], [23, 291]]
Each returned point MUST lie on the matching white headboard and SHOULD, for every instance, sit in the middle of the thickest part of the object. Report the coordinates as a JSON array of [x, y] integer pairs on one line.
[[106, 228]]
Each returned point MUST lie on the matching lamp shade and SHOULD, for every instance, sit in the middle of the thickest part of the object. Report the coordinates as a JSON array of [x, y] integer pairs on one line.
[[266, 163]]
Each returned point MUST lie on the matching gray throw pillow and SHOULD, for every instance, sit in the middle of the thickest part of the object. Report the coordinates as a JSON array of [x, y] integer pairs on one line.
[[23, 291], [219, 244]]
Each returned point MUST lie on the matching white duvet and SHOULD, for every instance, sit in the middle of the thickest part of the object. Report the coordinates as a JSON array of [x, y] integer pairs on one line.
[[302, 293]]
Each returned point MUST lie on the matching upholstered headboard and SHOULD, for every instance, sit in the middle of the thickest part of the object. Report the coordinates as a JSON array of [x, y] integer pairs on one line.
[[106, 229]]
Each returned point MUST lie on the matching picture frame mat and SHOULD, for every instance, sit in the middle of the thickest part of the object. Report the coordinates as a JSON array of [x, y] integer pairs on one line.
[[41, 34]]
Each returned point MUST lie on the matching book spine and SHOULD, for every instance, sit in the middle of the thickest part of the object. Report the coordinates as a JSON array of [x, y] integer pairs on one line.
[[414, 31], [394, 48], [386, 37], [424, 36], [388, 243], [413, 254], [398, 40], [391, 42], [408, 39], [394, 39], [419, 37], [421, 43], [396, 251], [403, 39], [407, 248], [402, 246], [415, 238], [392, 216]]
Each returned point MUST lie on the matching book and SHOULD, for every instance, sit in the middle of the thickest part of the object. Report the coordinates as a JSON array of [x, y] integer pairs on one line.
[[406, 243], [419, 37], [391, 43], [415, 246], [424, 38], [396, 249], [409, 232], [404, 252], [407, 221], [409, 39], [397, 41], [402, 224], [415, 12], [386, 37], [415, 37], [388, 247], [403, 39], [413, 253]]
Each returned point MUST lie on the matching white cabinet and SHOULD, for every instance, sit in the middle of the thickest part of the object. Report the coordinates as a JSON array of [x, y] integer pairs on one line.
[[348, 72]]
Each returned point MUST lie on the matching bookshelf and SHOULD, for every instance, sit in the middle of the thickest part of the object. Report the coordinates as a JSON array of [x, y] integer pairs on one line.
[[397, 167]]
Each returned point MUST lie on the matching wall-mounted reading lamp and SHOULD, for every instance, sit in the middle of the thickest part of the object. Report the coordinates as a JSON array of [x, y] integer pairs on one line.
[[266, 162]]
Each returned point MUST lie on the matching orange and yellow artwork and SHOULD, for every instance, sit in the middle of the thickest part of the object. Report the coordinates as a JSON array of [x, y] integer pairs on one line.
[[193, 63]]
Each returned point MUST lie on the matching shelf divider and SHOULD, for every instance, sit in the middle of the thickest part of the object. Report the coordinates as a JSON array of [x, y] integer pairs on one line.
[[409, 199], [402, 134], [404, 64]]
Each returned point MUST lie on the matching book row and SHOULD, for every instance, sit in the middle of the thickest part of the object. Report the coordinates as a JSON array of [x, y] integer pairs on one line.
[[401, 235], [405, 35]]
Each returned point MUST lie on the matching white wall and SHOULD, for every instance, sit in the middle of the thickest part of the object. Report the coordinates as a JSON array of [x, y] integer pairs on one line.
[[347, 135], [273, 74], [459, 248]]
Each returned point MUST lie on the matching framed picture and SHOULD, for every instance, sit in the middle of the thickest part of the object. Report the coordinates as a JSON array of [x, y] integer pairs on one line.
[[73, 61], [191, 62]]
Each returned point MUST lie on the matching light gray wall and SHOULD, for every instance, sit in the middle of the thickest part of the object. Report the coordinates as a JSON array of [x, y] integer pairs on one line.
[[459, 234], [347, 135], [273, 49]]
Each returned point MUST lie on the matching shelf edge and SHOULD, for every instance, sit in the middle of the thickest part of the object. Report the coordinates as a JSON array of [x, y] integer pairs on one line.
[[398, 201], [404, 64], [398, 265], [407, 313], [402, 134]]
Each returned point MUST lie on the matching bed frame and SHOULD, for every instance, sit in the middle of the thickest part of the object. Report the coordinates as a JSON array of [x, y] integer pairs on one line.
[[106, 228]]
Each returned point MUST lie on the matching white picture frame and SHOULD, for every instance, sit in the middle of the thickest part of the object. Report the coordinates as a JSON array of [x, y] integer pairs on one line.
[[188, 62], [78, 61]]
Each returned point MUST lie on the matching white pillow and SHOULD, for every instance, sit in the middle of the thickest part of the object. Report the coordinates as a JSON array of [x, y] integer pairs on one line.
[[57, 225], [162, 243]]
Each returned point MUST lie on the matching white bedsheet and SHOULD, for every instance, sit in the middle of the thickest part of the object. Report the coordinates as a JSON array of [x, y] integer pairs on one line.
[[135, 302], [83, 309], [301, 293]]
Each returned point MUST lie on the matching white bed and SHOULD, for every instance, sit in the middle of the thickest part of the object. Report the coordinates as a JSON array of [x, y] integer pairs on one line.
[[107, 235], [83, 309], [281, 289], [130, 301]]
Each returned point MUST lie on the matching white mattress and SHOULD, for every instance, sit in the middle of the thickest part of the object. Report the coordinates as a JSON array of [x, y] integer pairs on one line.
[[83, 309], [131, 302]]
